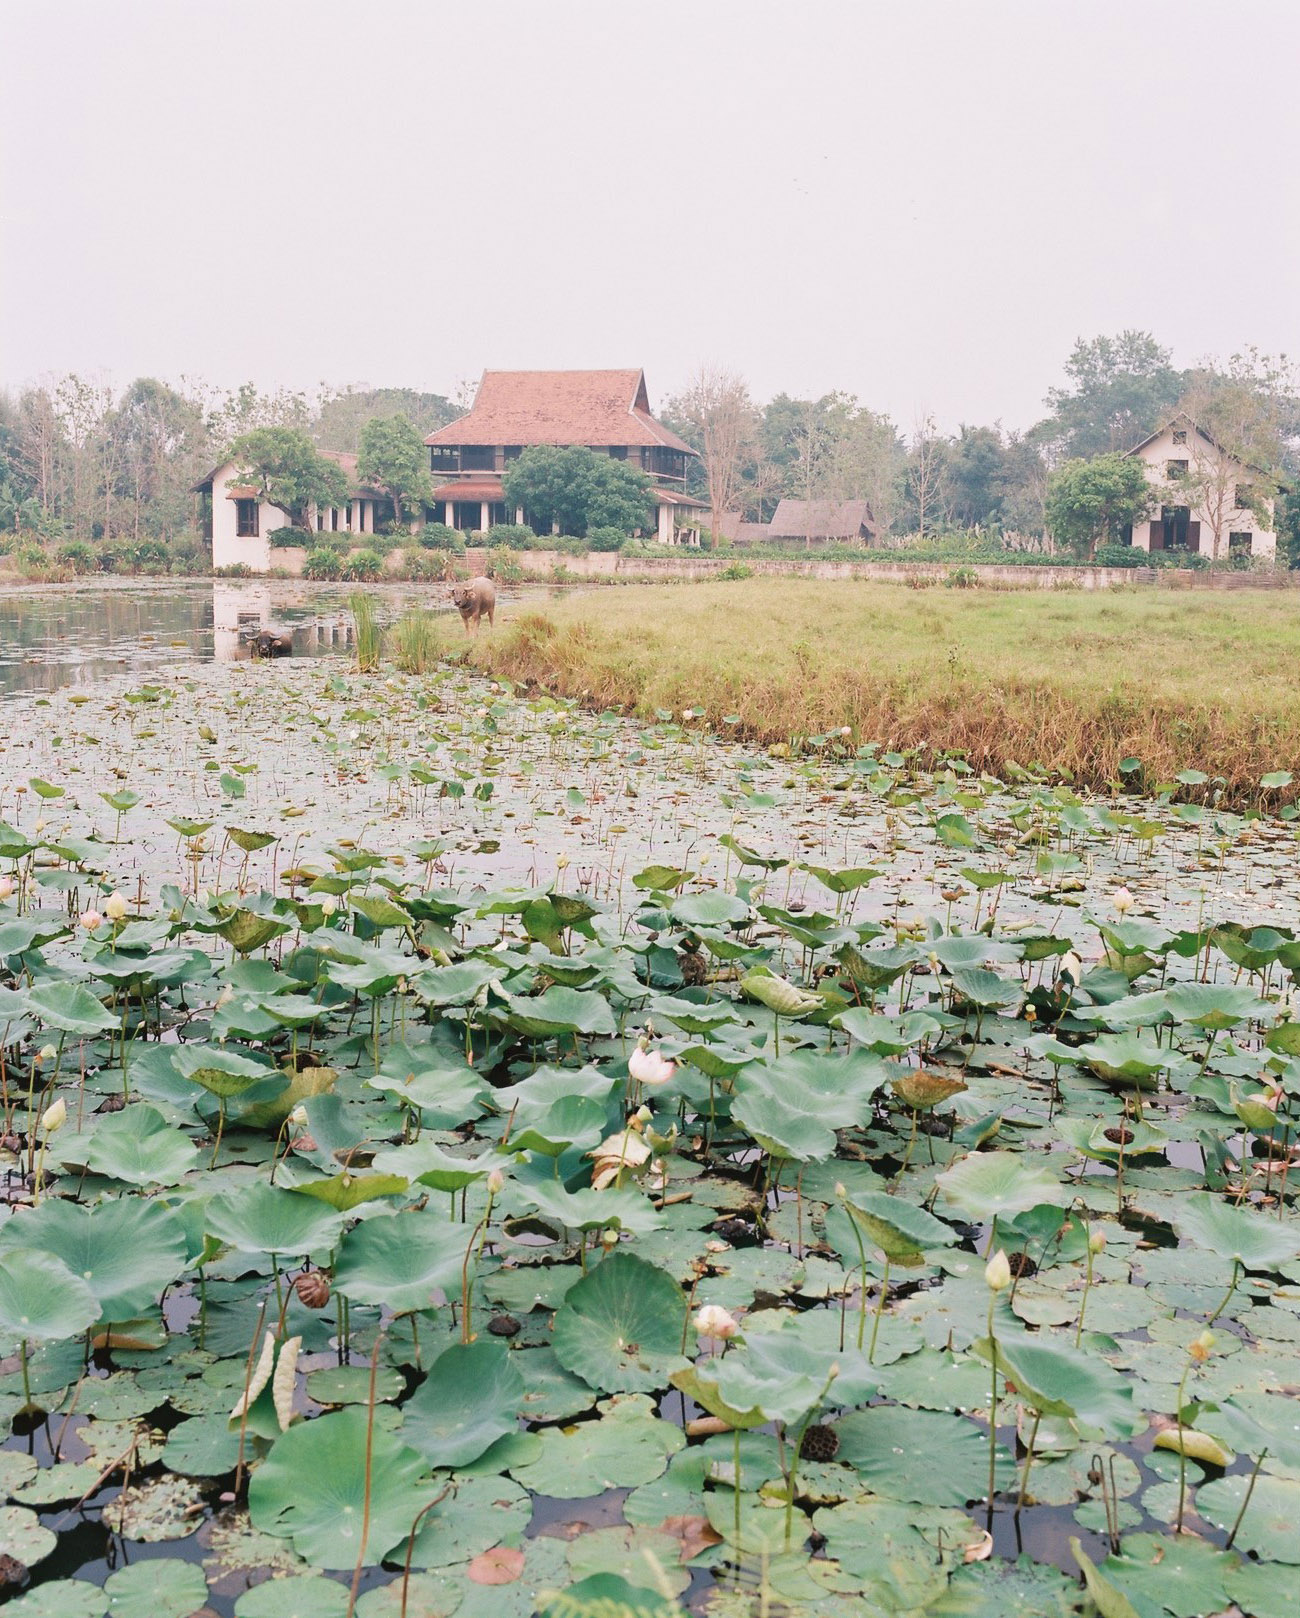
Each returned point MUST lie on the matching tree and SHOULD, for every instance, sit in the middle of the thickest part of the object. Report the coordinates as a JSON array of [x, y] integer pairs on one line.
[[160, 439], [861, 459], [717, 405], [1245, 411], [341, 416], [927, 475], [975, 465], [287, 469], [578, 489], [1090, 501], [393, 459], [1122, 387]]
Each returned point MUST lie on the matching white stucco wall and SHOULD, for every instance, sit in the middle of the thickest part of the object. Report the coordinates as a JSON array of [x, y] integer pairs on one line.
[[228, 549], [1198, 454]]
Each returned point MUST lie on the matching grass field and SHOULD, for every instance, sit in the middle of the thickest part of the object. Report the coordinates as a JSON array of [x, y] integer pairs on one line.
[[1072, 682]]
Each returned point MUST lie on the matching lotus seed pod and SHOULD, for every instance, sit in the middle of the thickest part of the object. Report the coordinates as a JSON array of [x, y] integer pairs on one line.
[[313, 1289]]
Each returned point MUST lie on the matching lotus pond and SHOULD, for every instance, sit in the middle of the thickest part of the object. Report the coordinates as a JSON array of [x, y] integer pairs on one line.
[[468, 1155]]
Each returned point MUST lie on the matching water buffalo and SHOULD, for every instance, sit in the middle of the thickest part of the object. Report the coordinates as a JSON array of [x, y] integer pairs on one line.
[[474, 599]]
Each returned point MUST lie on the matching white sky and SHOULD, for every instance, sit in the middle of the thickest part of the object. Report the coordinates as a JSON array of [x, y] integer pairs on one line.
[[922, 202]]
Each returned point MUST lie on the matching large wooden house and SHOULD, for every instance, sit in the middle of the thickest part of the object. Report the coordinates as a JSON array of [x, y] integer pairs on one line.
[[1205, 499], [605, 411]]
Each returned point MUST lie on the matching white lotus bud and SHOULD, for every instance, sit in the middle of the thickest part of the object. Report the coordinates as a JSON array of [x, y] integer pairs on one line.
[[1122, 901], [54, 1117], [115, 907], [495, 1181], [298, 1117], [329, 904], [6, 886], [1097, 1241], [47, 1053], [90, 919], [997, 1272]]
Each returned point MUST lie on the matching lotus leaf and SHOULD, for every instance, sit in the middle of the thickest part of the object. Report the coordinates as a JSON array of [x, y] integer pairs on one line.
[[627, 1446], [989, 1185], [266, 1219], [402, 1262], [620, 1328], [469, 1399], [139, 1146], [311, 1488], [124, 1251], [1255, 1242]]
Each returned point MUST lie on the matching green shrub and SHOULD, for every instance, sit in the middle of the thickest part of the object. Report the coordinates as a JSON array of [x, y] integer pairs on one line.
[[419, 565], [504, 565], [568, 545], [736, 570], [236, 570], [962, 578], [280, 539], [364, 566], [438, 536], [515, 537], [1121, 556], [79, 556], [416, 641], [606, 539], [320, 564]]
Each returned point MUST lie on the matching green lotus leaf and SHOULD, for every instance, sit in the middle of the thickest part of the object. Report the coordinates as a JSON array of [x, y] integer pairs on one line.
[[266, 1219], [786, 1377], [249, 841], [784, 998], [1056, 1379], [301, 1595], [445, 1091], [246, 931], [158, 1587], [60, 1598], [470, 1398], [41, 1299], [1215, 1006], [402, 1262], [429, 1164], [125, 1251], [714, 909], [223, 1072], [626, 1447], [1254, 1241], [69, 1007], [311, 1488], [988, 1185], [620, 1328], [920, 1455], [586, 1209], [560, 1011], [902, 1231], [139, 1146], [1109, 1141]]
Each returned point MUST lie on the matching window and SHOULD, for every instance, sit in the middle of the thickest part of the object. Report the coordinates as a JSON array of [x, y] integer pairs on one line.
[[443, 458], [478, 458], [1239, 544], [1180, 435], [1175, 469], [246, 519], [514, 451], [618, 452], [1245, 494]]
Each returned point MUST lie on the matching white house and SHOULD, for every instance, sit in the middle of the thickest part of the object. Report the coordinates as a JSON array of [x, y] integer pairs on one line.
[[1208, 500], [239, 524]]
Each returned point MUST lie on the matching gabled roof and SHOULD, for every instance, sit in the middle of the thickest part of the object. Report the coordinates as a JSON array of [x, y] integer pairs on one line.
[[819, 519], [596, 408], [1182, 419]]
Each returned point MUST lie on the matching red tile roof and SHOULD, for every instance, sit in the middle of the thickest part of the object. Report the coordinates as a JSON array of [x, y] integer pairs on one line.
[[598, 408], [470, 489]]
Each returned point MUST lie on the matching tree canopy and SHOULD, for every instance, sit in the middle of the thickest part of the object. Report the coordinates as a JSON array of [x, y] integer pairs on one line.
[[393, 458], [287, 469], [1088, 502], [578, 489], [1121, 388], [341, 417]]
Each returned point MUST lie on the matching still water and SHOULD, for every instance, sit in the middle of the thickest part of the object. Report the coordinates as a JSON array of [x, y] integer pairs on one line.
[[76, 635]]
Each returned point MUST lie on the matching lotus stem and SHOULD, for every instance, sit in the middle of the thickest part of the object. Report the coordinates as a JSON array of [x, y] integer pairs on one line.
[[27, 1387], [1087, 1284], [735, 1466], [370, 1448], [248, 1377], [880, 1309], [1029, 1461], [1227, 1297], [1245, 1500], [993, 1409]]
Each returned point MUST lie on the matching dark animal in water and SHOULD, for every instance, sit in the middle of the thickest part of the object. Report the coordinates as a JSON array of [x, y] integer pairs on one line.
[[474, 599], [271, 643]]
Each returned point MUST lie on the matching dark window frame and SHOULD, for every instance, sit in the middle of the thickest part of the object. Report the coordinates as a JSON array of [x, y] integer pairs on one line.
[[248, 515]]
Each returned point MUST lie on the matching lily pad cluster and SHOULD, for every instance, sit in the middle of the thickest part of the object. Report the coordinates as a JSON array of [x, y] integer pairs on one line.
[[884, 1167]]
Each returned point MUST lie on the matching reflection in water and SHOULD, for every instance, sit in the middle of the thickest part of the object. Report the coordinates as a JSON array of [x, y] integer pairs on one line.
[[76, 635]]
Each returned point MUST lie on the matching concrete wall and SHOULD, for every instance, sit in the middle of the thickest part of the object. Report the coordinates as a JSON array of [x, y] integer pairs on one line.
[[1206, 468]]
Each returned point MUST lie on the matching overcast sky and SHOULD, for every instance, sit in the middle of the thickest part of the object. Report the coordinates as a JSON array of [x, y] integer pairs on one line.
[[922, 202]]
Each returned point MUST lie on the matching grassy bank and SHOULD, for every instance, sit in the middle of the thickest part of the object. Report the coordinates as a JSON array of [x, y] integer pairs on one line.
[[1073, 682]]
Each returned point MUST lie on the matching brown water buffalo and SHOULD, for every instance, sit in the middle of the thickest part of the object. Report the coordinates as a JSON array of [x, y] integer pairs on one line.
[[474, 599]]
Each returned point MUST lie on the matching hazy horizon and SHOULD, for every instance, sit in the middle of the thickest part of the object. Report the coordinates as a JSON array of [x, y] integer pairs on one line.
[[924, 206]]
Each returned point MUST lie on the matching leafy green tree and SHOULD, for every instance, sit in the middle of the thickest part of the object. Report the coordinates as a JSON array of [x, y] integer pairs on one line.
[[161, 441], [287, 469], [976, 463], [341, 417], [1121, 388], [1091, 501], [393, 459], [578, 489]]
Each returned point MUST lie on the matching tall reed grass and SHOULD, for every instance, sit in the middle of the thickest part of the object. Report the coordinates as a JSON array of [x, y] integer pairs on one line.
[[416, 641], [369, 632], [1073, 682]]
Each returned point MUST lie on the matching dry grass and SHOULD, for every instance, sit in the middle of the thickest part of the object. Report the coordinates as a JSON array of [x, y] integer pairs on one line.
[[1072, 682]]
